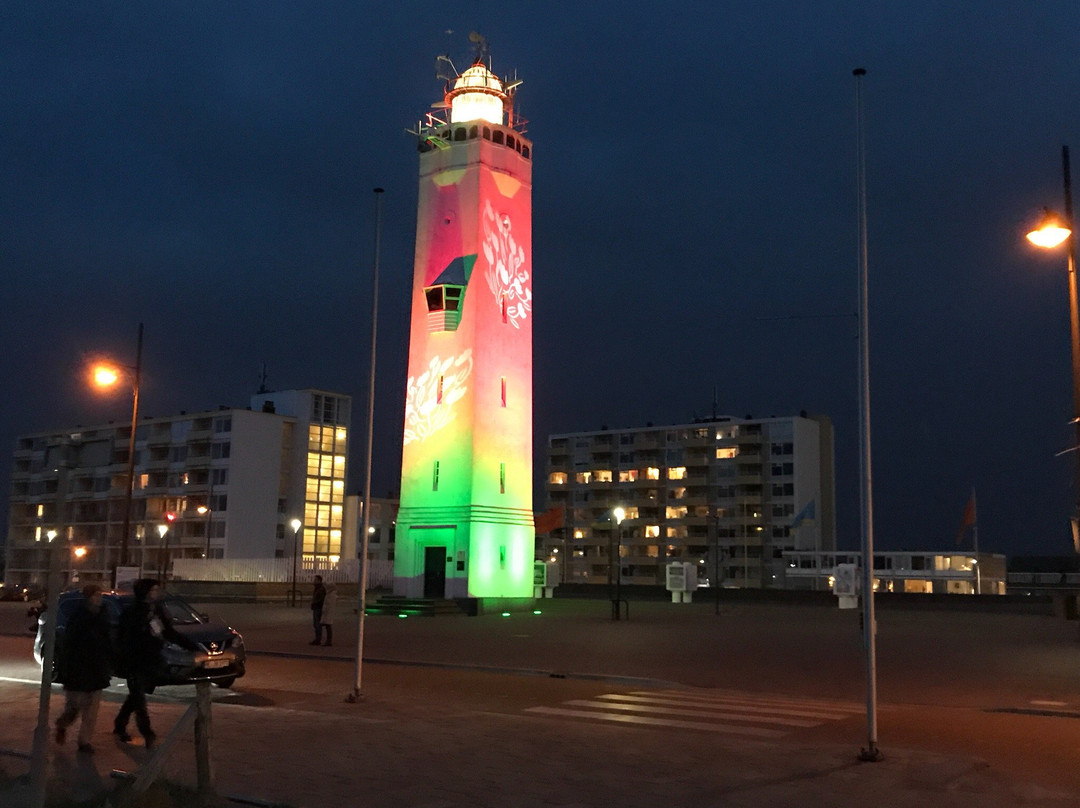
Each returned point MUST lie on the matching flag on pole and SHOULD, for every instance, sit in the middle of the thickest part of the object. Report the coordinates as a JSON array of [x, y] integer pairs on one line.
[[549, 520], [807, 512], [969, 519]]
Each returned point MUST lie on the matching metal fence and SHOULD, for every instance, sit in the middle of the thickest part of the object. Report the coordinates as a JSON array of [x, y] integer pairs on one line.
[[280, 570]]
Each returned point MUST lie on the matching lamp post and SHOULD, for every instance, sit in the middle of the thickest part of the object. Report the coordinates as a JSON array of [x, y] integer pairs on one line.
[[1052, 232], [618, 514], [163, 531], [295, 524], [203, 510], [106, 375]]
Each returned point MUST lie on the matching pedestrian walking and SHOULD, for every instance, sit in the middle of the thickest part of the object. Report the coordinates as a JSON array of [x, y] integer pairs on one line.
[[318, 597], [327, 618], [144, 628], [85, 667]]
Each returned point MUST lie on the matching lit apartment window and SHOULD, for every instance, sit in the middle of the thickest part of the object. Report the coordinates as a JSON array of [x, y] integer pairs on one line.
[[40, 511], [628, 476], [727, 452], [652, 473], [583, 477], [603, 476], [631, 512], [557, 478], [676, 473], [579, 533], [676, 512], [652, 531]]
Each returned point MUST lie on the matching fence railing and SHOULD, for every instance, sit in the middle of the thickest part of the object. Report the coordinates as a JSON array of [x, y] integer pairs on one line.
[[280, 570]]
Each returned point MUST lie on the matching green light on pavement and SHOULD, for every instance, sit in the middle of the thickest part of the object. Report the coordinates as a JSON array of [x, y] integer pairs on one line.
[[506, 614], [403, 615], [537, 611]]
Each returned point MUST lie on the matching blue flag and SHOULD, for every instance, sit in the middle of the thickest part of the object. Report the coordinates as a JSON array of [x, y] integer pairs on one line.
[[806, 513]]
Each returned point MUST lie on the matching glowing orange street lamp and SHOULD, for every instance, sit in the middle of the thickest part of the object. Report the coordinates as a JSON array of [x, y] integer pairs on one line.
[[105, 375], [1054, 231]]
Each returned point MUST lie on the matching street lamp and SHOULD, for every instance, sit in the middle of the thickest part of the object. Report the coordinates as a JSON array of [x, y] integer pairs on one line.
[[295, 524], [203, 510], [1052, 232], [618, 514], [163, 531], [105, 375], [77, 555]]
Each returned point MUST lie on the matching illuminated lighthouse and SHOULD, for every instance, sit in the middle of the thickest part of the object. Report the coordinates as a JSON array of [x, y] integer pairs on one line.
[[465, 523]]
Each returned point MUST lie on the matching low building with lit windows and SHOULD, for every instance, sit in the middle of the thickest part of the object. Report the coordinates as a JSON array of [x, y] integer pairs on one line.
[[729, 494], [225, 483], [908, 571]]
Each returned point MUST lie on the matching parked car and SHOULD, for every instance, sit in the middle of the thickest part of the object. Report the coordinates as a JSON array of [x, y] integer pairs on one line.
[[15, 592], [221, 659]]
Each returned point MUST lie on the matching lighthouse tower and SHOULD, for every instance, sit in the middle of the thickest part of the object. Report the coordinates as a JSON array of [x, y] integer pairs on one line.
[[465, 522]]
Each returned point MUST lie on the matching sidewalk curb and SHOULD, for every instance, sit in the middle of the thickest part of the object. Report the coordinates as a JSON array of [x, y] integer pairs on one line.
[[637, 681]]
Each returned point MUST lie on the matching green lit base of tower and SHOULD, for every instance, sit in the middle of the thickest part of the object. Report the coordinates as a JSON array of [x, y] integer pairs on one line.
[[468, 552]]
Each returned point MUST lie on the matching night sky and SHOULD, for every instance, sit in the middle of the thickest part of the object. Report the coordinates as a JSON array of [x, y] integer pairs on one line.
[[207, 168]]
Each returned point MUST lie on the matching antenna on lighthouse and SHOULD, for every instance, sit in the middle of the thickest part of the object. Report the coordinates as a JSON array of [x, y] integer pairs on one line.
[[483, 51]]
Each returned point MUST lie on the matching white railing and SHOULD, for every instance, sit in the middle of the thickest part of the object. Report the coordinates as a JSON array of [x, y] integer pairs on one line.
[[280, 570]]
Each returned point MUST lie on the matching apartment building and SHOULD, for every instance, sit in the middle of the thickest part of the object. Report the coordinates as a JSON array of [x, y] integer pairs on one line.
[[225, 483], [727, 493]]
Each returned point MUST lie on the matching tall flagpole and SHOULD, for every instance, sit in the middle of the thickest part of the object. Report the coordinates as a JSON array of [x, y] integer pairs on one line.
[[975, 538], [356, 693], [871, 751]]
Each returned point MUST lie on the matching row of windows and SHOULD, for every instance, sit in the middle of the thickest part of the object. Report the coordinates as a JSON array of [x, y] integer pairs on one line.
[[496, 136], [322, 490], [327, 409], [326, 465], [328, 439], [322, 515]]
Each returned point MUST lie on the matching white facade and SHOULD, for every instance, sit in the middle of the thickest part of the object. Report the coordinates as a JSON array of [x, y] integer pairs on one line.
[[748, 489], [231, 480]]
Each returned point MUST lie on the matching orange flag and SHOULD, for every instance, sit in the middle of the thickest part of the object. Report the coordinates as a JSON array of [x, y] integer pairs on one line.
[[969, 519], [549, 520]]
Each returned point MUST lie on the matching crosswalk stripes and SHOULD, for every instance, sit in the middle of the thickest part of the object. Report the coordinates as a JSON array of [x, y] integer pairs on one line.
[[725, 712]]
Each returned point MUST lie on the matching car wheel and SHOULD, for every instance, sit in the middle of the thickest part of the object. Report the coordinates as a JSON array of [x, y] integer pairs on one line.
[[225, 683]]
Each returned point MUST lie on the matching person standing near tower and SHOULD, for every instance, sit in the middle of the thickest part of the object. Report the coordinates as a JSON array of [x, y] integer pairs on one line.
[[326, 620], [318, 597]]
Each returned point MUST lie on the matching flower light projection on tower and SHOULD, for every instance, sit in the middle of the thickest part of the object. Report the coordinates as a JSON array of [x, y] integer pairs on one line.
[[430, 399], [506, 274]]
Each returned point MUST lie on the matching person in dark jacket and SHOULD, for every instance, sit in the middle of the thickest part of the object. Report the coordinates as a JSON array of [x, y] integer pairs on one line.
[[318, 597], [85, 667], [144, 628]]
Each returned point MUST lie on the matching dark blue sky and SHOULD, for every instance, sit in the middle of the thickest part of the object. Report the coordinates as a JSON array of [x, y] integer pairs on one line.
[[207, 169]]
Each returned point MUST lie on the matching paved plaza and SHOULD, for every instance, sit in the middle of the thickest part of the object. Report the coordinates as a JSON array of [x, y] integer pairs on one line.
[[568, 708]]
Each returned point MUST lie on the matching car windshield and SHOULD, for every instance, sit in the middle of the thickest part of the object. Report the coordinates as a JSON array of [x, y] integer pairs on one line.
[[180, 613]]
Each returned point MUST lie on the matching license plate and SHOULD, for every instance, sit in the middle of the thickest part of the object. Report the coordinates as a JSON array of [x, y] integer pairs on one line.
[[216, 663]]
